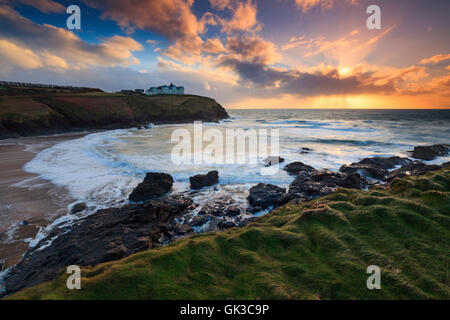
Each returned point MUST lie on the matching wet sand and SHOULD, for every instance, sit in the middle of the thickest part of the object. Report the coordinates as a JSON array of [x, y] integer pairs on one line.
[[25, 196]]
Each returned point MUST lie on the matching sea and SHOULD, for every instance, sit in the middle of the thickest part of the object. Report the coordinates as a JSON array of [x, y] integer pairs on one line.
[[101, 169]]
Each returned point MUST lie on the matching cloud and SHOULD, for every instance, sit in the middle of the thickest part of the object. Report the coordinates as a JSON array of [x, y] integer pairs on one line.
[[152, 42], [46, 6], [346, 49], [171, 18], [436, 59], [243, 19], [12, 54], [306, 84], [219, 4], [213, 46], [306, 5], [254, 49], [61, 47]]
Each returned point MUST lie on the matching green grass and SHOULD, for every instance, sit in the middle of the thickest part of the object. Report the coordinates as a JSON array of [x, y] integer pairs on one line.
[[29, 111], [317, 250]]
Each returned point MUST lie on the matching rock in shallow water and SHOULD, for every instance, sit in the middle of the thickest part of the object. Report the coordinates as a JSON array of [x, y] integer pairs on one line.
[[386, 163], [78, 208], [430, 152], [204, 180], [415, 168], [364, 170], [263, 196], [295, 168], [154, 185]]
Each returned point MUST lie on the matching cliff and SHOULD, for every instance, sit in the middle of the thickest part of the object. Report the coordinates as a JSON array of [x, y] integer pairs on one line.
[[29, 111]]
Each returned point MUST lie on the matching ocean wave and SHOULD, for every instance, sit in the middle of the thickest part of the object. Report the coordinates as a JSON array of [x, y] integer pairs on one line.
[[350, 142]]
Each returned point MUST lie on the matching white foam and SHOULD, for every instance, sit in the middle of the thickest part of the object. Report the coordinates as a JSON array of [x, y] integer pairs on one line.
[[102, 168]]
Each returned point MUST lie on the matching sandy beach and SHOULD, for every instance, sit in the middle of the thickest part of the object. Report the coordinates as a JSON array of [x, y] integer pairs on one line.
[[27, 202]]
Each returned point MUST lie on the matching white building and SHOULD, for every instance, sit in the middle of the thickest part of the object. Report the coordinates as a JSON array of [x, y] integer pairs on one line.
[[171, 89]]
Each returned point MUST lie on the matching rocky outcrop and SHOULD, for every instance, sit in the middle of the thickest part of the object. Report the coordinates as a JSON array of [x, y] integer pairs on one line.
[[295, 168], [313, 184], [78, 207], [412, 169], [204, 180], [107, 235], [385, 163], [376, 167], [365, 170], [154, 185], [263, 196], [430, 152]]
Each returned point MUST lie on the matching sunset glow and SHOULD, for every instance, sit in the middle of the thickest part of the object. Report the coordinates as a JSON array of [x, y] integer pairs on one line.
[[243, 53]]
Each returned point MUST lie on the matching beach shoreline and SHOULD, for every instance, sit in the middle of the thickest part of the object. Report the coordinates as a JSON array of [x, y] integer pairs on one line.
[[27, 202]]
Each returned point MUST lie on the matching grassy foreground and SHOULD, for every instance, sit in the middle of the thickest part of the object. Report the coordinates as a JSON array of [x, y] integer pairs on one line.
[[316, 250]]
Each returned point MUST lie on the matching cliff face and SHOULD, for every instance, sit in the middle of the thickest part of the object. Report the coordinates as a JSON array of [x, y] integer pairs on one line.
[[29, 112]]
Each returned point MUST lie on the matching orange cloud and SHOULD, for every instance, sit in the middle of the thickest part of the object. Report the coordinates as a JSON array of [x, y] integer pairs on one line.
[[47, 6], [253, 48], [171, 18], [17, 55], [244, 18], [306, 5], [436, 59]]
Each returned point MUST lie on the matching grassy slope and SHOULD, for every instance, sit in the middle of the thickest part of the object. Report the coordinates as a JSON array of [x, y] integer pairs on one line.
[[317, 250], [29, 112]]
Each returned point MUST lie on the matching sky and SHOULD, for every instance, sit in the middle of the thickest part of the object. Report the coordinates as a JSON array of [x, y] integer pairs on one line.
[[243, 53]]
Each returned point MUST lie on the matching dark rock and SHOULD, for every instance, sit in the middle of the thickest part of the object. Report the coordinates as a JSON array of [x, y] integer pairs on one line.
[[232, 211], [270, 161], [213, 209], [365, 170], [200, 220], [265, 195], [107, 235], [213, 224], [295, 168], [430, 152], [414, 169], [352, 181], [154, 185], [24, 223], [445, 164], [385, 163], [182, 229], [305, 150], [309, 186], [226, 224], [204, 180], [78, 208]]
